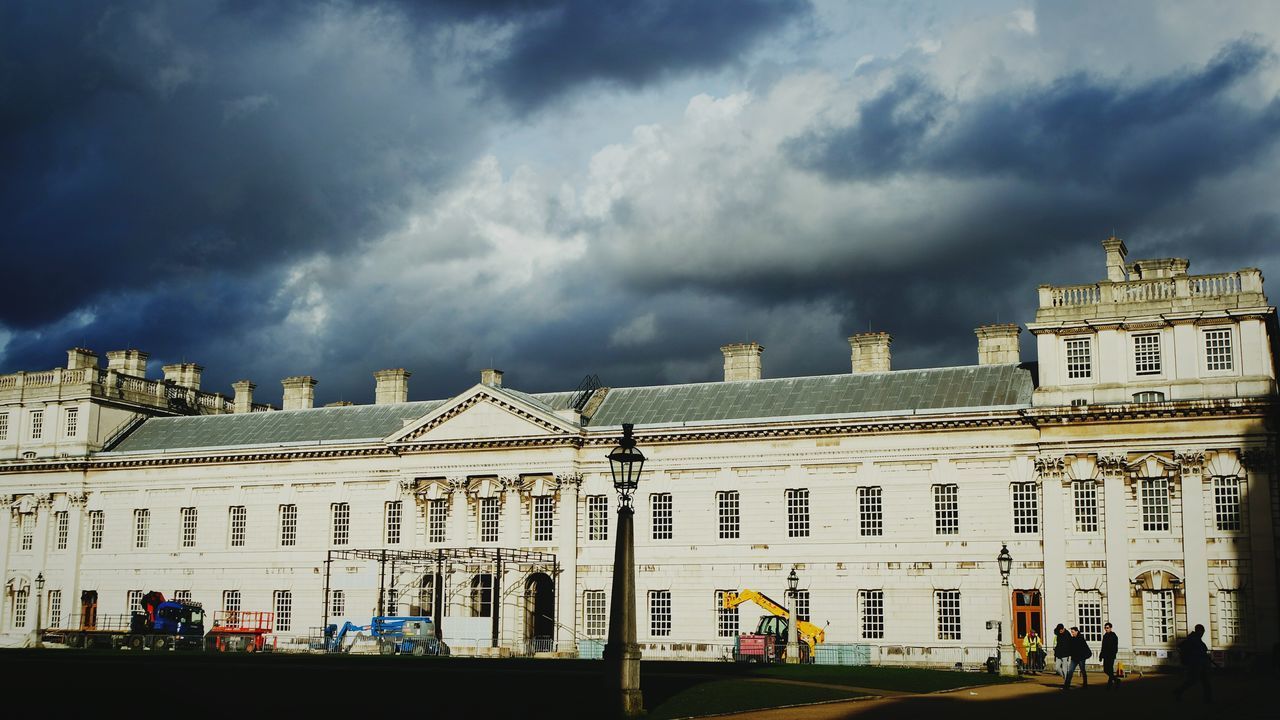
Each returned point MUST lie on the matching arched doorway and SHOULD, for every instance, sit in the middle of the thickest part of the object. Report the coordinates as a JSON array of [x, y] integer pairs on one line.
[[540, 612]]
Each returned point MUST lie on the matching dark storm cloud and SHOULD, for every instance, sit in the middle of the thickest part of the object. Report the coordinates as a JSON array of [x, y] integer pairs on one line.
[[630, 44], [1152, 140]]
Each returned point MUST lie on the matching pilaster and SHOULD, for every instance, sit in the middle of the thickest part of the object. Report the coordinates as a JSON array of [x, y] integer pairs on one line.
[[1114, 473], [1261, 467], [567, 556], [1194, 555], [1052, 472]]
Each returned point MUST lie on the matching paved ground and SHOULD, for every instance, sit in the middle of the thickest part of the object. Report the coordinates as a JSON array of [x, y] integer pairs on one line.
[[1237, 696]]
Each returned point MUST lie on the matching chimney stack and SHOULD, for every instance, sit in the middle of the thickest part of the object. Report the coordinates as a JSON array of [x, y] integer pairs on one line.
[[392, 386], [128, 362], [742, 361], [243, 402], [998, 344], [490, 376], [299, 392], [1116, 253], [79, 357], [186, 375], [870, 352]]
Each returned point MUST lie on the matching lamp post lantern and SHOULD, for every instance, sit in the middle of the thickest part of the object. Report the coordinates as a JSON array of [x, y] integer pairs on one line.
[[793, 634], [621, 653], [1005, 561], [39, 596]]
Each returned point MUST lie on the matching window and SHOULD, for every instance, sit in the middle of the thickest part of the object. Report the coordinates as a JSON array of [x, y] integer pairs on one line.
[[1079, 358], [1026, 509], [1089, 615], [141, 528], [871, 511], [489, 519], [1228, 617], [595, 613], [802, 605], [96, 524], [726, 618], [482, 595], [37, 424], [337, 603], [597, 517], [391, 520], [4, 426], [437, 512], [1155, 504], [71, 426], [946, 509], [133, 601], [948, 602], [660, 613], [427, 594], [1217, 350], [543, 516], [1157, 616], [660, 508], [1148, 396], [62, 525], [1146, 354], [1226, 503], [798, 513], [284, 610], [239, 519], [340, 521], [288, 525], [55, 608], [188, 527], [27, 530], [1084, 495], [182, 596], [393, 601], [20, 609], [231, 601], [871, 609], [730, 515]]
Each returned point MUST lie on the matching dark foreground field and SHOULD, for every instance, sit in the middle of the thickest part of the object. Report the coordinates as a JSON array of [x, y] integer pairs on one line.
[[345, 686]]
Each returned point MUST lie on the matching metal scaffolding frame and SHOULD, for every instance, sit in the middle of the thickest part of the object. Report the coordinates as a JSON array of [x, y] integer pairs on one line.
[[442, 561]]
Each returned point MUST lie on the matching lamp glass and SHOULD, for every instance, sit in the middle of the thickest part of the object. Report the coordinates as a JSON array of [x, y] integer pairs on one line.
[[793, 581], [1005, 560]]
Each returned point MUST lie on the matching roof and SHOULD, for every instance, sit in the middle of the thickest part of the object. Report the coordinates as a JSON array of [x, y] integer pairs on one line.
[[900, 391], [975, 386]]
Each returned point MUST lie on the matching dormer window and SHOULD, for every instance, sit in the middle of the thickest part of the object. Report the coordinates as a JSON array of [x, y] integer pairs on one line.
[[1146, 354], [1079, 358]]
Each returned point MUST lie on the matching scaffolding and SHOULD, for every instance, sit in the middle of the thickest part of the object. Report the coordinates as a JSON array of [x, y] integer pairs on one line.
[[443, 562]]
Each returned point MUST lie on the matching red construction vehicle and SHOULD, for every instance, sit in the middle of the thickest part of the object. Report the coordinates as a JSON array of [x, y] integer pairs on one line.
[[241, 631]]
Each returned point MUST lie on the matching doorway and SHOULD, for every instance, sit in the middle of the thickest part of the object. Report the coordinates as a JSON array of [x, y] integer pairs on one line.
[[1027, 612], [89, 610], [540, 612]]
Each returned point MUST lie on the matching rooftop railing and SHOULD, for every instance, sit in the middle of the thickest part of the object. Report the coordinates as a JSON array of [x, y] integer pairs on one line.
[[1158, 290]]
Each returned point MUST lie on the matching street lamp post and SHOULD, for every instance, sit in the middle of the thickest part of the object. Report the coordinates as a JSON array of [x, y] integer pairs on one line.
[[39, 596], [621, 653], [1007, 666], [793, 635]]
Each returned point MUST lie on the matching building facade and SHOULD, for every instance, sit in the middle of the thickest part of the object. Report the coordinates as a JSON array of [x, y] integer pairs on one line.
[[1130, 471]]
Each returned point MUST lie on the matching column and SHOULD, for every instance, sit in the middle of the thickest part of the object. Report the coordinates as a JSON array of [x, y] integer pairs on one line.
[[1260, 465], [40, 559], [1195, 582], [1116, 533], [1052, 474], [567, 556], [458, 535], [6, 520], [76, 545]]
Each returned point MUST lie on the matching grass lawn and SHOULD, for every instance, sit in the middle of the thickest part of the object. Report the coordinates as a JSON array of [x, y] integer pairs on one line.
[[443, 687]]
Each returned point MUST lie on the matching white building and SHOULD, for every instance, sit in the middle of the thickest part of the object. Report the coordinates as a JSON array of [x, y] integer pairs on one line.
[[1131, 473]]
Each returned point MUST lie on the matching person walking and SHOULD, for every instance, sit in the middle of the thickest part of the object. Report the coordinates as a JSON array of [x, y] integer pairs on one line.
[[1061, 649], [1196, 659], [1032, 645], [1110, 648], [1079, 653]]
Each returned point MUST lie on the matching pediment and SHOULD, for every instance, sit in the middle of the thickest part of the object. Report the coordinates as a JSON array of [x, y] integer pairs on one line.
[[484, 413]]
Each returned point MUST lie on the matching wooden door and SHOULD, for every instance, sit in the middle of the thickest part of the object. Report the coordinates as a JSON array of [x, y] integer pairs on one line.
[[1027, 612], [89, 610]]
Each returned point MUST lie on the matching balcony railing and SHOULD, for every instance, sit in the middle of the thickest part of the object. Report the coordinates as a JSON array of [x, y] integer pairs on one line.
[[1158, 290]]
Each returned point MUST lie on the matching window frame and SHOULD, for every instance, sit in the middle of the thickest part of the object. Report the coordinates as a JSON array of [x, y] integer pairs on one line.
[[871, 614], [728, 624], [946, 508], [729, 514], [1212, 341], [1159, 605], [392, 521], [141, 528], [1147, 361], [237, 526], [1085, 495], [1228, 503], [287, 514], [662, 516], [1077, 366], [798, 512], [438, 520], [542, 512], [188, 521], [1025, 499], [71, 422], [595, 613], [870, 511], [1090, 609], [660, 613], [488, 519], [282, 601], [1155, 504], [597, 518], [340, 524], [948, 610], [97, 528]]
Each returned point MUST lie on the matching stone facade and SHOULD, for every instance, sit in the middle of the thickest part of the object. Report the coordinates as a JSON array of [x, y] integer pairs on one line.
[[1134, 485]]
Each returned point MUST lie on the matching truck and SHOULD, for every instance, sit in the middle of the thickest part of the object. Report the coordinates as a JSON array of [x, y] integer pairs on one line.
[[769, 641], [241, 631], [395, 635], [158, 624]]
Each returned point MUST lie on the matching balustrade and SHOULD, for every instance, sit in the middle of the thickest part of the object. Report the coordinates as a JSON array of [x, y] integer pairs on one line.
[[1154, 290]]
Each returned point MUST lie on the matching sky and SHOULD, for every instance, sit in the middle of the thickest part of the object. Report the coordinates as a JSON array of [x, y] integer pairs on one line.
[[559, 188]]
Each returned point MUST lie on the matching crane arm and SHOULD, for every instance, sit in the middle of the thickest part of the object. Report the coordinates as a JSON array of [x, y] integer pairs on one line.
[[811, 634]]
